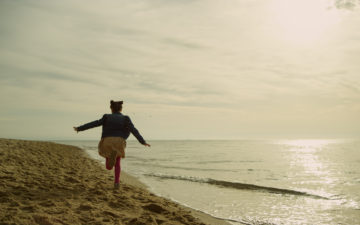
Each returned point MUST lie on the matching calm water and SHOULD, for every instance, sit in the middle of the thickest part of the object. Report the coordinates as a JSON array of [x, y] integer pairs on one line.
[[262, 181]]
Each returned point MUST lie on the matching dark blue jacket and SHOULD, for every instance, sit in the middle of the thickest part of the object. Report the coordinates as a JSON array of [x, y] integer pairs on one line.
[[114, 125]]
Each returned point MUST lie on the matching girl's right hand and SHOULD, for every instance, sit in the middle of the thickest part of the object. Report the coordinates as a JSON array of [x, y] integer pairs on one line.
[[75, 129]]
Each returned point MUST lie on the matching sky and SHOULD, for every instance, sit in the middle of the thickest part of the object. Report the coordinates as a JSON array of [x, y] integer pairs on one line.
[[185, 69]]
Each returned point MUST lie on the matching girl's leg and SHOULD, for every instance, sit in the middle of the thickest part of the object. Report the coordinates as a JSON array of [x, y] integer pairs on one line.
[[107, 164], [117, 170]]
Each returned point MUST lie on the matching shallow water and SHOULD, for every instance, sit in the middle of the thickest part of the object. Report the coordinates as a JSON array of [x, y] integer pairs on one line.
[[263, 181]]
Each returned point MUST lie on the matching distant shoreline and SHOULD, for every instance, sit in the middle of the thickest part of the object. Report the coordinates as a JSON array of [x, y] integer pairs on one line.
[[200, 139]]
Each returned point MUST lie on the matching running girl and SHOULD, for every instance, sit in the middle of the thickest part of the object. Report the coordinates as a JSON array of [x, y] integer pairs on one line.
[[116, 128]]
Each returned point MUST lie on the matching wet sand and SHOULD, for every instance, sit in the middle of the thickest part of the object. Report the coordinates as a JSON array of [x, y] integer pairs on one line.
[[47, 183]]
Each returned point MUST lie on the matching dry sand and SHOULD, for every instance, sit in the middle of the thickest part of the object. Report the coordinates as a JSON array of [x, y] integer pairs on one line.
[[47, 183]]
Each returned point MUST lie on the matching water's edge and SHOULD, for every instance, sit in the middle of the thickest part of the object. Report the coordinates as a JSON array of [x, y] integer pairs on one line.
[[204, 216]]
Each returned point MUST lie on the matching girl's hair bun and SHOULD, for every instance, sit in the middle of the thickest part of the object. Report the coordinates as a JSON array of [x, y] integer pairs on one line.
[[116, 106]]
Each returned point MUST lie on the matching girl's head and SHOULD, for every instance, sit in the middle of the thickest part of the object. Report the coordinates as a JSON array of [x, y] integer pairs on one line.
[[116, 106]]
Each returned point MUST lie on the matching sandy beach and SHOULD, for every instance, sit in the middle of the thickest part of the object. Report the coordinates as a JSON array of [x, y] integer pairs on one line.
[[47, 183]]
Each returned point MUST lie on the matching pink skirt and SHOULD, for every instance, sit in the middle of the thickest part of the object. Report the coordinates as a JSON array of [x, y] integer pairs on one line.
[[109, 144]]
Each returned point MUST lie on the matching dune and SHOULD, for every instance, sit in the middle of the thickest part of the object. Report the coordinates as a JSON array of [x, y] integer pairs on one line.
[[49, 184]]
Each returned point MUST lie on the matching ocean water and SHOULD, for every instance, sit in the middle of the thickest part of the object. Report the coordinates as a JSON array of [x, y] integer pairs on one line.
[[252, 181]]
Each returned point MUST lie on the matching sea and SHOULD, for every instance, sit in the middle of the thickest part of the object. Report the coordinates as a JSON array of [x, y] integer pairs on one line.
[[282, 181]]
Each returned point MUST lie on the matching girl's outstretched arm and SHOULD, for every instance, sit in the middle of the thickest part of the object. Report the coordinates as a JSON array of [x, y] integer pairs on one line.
[[90, 125], [135, 132]]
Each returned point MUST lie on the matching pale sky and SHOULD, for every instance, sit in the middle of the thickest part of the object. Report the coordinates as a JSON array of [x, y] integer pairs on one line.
[[185, 69]]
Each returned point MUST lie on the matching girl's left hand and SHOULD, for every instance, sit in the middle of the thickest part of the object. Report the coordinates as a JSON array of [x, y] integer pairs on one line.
[[75, 129]]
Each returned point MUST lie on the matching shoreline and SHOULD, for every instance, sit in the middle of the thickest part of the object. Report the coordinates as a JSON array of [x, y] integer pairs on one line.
[[205, 217], [48, 183]]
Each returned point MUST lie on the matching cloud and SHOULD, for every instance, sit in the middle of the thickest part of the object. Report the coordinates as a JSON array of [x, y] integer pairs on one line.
[[184, 44], [200, 58], [347, 4], [22, 77]]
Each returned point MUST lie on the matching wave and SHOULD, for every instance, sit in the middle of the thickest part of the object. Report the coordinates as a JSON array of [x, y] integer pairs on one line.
[[239, 186], [184, 168]]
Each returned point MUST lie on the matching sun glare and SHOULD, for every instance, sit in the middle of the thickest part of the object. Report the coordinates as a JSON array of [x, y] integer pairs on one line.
[[303, 21], [308, 143]]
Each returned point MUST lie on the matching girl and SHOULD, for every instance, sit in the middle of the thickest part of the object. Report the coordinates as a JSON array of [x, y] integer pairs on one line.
[[116, 128]]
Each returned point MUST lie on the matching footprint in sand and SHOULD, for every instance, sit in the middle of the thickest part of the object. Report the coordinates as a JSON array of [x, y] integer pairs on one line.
[[13, 203], [85, 207], [28, 208], [96, 192], [43, 220], [116, 205], [154, 208], [136, 221], [71, 180], [110, 214], [47, 203]]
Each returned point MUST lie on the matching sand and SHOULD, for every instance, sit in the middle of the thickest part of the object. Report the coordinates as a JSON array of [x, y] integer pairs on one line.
[[47, 183]]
